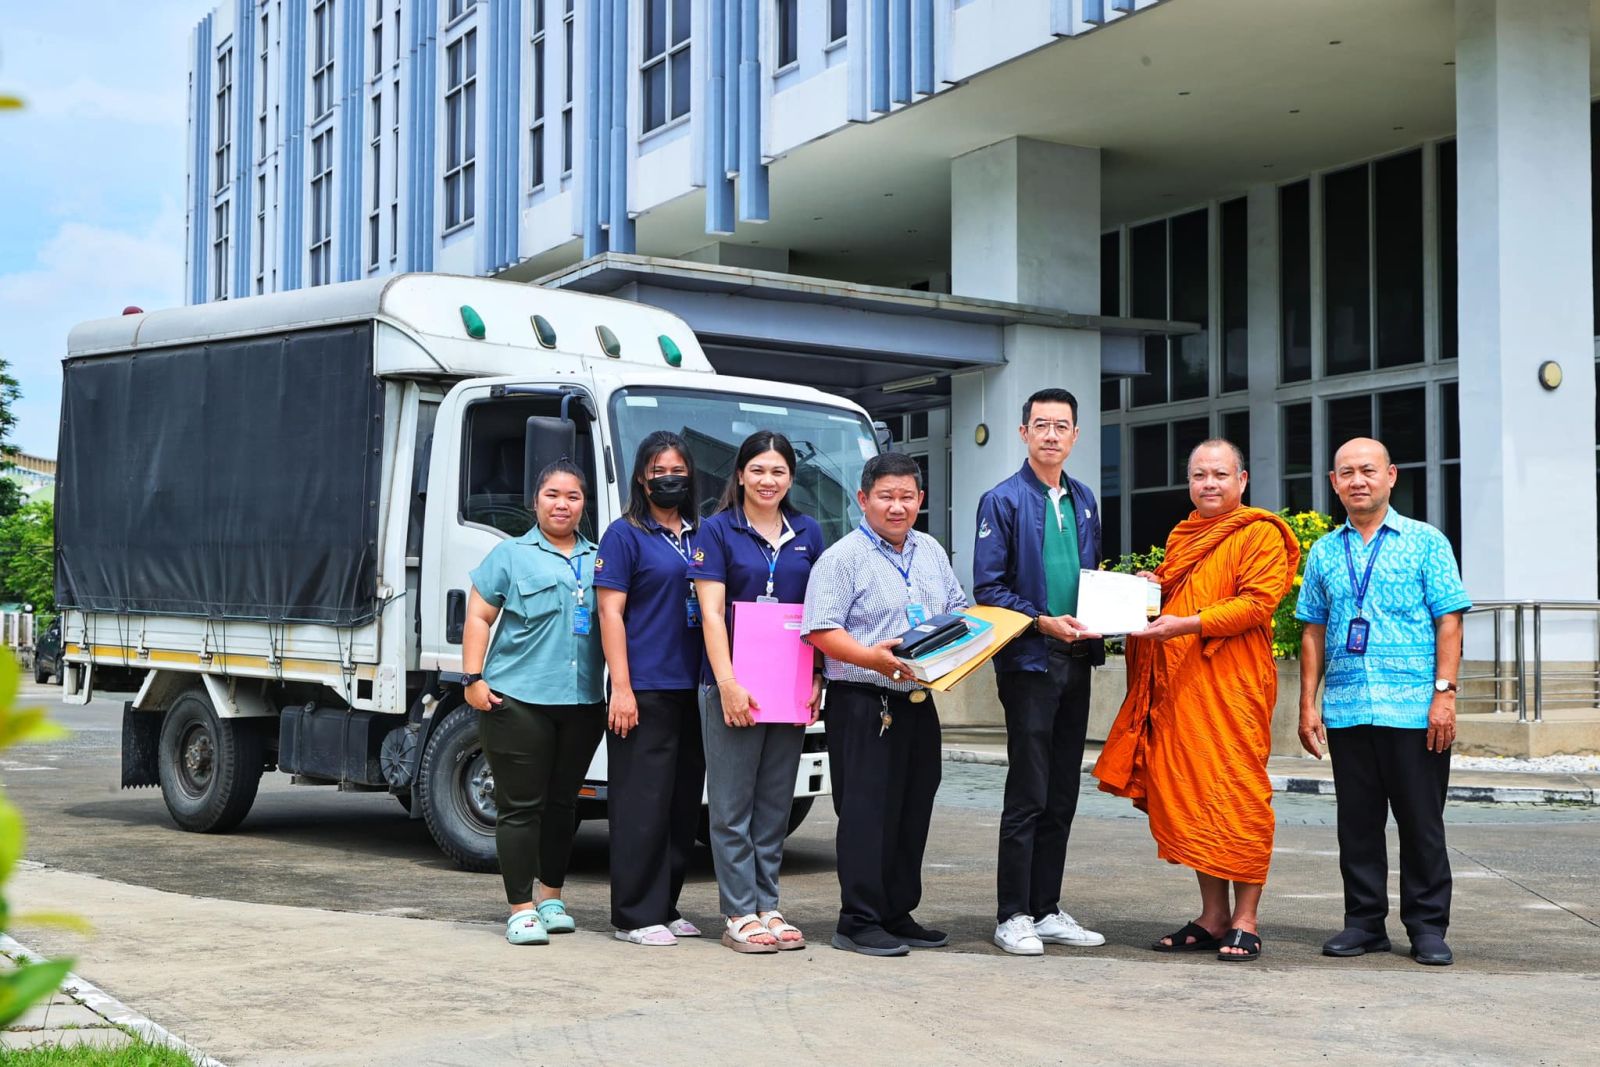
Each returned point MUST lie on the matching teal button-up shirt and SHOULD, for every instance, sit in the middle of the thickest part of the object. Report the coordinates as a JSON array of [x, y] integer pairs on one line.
[[1413, 583], [535, 657]]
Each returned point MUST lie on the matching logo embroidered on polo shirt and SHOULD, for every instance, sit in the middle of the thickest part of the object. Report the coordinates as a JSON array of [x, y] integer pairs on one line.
[[599, 564], [983, 529], [699, 558]]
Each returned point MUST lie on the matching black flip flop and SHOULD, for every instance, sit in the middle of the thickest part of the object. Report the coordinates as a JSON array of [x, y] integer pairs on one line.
[[1204, 940], [1241, 939]]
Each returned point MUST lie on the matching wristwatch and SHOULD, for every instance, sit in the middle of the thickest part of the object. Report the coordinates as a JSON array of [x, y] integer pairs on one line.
[[1443, 685], [470, 679]]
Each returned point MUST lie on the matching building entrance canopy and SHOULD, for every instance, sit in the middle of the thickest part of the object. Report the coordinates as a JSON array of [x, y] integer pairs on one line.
[[889, 350]]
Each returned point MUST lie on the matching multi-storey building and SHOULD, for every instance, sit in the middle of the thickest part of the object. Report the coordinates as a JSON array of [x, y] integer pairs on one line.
[[1286, 223]]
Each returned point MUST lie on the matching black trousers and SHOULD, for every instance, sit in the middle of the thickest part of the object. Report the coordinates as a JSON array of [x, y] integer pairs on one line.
[[1377, 769], [538, 754], [1047, 715], [883, 790], [654, 780]]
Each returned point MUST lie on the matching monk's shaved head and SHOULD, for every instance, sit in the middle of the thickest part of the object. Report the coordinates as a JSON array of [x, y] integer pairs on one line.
[[1217, 442], [1363, 446]]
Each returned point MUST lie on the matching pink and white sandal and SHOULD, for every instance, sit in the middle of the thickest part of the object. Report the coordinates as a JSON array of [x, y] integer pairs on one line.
[[657, 936], [682, 927]]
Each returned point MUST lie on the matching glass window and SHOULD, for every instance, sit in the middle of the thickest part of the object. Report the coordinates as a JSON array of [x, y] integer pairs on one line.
[[1149, 443], [664, 74], [1450, 462], [1348, 417], [1296, 437], [1236, 428], [1447, 251], [1403, 425], [219, 251], [1397, 258], [536, 128], [223, 153], [1191, 302], [492, 490], [568, 61], [322, 208], [1347, 283], [1110, 491], [1594, 205], [1111, 273], [1186, 433], [788, 32], [461, 121], [1110, 394], [461, 7], [323, 91], [1147, 298], [1235, 242], [1154, 516], [831, 444], [1294, 279], [838, 20]]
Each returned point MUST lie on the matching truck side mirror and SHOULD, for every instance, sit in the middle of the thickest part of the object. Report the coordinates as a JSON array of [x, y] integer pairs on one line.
[[885, 436], [546, 440]]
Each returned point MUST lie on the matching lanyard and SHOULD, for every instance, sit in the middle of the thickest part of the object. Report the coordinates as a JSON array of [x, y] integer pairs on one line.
[[1350, 561], [683, 548], [905, 572], [575, 561], [769, 551]]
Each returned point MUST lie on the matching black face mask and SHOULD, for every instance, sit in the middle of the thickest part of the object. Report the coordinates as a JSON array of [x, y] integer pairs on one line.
[[669, 490]]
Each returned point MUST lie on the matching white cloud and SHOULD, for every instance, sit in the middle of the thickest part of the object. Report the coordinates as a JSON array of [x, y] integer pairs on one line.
[[82, 272]]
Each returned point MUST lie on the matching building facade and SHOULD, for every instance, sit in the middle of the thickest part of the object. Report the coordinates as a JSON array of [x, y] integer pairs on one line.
[[1287, 224]]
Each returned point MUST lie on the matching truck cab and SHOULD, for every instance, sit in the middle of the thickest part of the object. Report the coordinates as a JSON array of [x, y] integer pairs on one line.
[[387, 431]]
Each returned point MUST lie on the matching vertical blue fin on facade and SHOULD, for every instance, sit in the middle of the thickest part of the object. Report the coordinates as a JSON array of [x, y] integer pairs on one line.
[[878, 36], [291, 211], [719, 187], [594, 238], [1094, 11], [352, 140], [732, 20], [244, 83], [622, 233], [923, 40], [510, 116], [900, 47], [1125, 6], [424, 128], [604, 28], [487, 247], [200, 167], [753, 205]]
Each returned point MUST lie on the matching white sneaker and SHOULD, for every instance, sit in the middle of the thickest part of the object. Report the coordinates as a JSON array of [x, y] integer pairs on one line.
[[1063, 929], [1017, 937]]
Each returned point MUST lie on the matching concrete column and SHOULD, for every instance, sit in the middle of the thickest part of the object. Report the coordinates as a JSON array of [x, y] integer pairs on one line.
[[1025, 228], [1266, 336], [1526, 296]]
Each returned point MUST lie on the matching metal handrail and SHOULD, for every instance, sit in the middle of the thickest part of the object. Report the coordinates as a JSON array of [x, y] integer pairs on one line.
[[1520, 609]]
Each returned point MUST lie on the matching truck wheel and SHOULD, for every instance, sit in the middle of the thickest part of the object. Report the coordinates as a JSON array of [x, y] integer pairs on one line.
[[456, 791], [797, 815], [209, 767], [41, 673]]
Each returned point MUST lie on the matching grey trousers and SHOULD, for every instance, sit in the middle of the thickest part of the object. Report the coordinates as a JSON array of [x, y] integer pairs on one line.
[[750, 775]]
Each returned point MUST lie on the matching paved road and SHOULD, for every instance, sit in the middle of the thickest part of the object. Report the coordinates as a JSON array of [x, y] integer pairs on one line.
[[1527, 920]]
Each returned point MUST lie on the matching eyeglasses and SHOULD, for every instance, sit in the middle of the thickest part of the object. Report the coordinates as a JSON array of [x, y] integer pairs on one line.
[[1044, 426]]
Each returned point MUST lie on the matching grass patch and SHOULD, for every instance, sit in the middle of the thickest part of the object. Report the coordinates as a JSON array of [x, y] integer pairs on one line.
[[136, 1054]]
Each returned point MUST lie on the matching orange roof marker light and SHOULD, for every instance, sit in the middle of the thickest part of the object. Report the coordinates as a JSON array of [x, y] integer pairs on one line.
[[473, 322], [542, 330], [609, 342], [670, 351]]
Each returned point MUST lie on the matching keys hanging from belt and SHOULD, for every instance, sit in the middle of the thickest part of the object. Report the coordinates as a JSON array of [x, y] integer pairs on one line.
[[884, 716]]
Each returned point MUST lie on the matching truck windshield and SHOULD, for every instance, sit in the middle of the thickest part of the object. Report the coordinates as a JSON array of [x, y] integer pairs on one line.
[[831, 445]]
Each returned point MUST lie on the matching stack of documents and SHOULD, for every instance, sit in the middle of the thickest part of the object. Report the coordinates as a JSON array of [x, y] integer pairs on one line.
[[1110, 603], [946, 658]]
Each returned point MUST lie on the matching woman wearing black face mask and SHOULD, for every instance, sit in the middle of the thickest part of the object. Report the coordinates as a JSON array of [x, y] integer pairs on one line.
[[650, 628]]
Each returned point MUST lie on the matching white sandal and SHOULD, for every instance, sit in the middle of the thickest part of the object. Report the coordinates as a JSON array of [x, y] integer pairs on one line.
[[657, 936], [784, 926], [737, 939]]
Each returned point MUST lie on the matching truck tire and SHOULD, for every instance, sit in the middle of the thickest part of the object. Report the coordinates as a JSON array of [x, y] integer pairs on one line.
[[456, 791], [41, 672], [209, 767], [797, 815]]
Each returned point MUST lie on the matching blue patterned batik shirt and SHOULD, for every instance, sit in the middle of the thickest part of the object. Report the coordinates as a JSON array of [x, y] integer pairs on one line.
[[1414, 582]]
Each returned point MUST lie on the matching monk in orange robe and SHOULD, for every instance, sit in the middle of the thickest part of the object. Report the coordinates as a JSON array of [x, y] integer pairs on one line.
[[1191, 742]]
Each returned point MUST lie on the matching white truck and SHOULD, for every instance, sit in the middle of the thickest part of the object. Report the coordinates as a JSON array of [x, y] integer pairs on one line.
[[270, 507]]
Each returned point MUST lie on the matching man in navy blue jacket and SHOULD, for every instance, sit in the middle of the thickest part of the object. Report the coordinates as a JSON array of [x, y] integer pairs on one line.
[[1036, 530]]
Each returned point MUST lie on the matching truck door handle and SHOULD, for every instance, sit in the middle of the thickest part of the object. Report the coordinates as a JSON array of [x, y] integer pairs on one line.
[[455, 615]]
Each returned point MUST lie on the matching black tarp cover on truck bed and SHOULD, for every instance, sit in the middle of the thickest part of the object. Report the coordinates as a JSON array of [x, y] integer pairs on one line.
[[235, 479]]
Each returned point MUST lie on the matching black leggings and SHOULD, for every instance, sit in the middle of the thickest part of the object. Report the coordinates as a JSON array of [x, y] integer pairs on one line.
[[538, 754]]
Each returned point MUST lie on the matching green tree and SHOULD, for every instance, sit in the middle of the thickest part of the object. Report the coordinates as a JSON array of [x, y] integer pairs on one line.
[[27, 556], [10, 392]]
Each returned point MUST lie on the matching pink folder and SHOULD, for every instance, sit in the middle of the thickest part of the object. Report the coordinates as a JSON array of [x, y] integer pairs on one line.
[[771, 660]]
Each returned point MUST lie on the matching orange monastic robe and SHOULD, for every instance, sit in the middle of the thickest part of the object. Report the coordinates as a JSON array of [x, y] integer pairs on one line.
[[1190, 744]]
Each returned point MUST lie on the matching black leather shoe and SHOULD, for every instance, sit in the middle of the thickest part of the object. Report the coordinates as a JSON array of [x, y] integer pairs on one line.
[[1431, 950], [871, 943], [1354, 941], [914, 935]]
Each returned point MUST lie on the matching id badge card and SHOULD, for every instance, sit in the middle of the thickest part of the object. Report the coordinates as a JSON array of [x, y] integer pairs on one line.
[[580, 620], [691, 609], [1355, 641], [917, 613], [766, 600]]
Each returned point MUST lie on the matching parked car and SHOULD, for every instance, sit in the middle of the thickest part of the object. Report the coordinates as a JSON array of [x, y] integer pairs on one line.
[[47, 654]]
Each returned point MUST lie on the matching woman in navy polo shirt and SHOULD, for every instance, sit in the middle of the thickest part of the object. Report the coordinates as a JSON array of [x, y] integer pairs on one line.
[[757, 547], [650, 626]]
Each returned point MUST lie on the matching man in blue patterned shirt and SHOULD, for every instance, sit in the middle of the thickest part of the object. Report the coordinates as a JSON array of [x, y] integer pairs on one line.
[[1382, 601]]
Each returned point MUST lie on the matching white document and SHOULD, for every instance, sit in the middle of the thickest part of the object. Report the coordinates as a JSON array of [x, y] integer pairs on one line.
[[1111, 603]]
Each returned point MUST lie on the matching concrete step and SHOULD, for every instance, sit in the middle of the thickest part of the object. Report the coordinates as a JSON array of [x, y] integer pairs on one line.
[[1561, 732]]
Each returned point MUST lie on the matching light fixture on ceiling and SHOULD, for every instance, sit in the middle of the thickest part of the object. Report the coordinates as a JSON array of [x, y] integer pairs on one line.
[[905, 385]]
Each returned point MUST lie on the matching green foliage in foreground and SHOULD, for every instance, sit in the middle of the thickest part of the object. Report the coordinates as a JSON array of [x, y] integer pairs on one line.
[[136, 1054]]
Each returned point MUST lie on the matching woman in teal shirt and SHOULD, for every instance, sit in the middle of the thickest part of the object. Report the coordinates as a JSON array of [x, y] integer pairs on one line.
[[540, 694]]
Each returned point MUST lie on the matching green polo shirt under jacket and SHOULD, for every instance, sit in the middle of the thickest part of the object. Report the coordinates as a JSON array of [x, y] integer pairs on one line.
[[1061, 562], [535, 657]]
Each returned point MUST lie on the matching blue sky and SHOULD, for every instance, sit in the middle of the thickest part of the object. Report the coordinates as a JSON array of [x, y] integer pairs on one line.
[[91, 178]]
